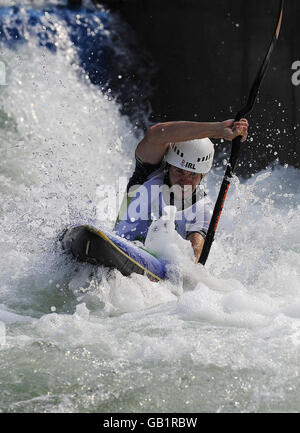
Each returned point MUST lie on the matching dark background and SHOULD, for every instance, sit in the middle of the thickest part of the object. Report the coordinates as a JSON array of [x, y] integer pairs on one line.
[[208, 52]]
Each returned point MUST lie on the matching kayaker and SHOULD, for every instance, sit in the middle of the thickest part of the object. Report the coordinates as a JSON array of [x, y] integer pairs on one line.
[[171, 161]]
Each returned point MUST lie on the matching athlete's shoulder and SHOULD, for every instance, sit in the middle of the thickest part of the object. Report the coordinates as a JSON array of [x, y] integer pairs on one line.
[[142, 172]]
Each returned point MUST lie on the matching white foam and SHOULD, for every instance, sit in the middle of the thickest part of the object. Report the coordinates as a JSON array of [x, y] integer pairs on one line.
[[205, 305], [240, 312], [163, 240]]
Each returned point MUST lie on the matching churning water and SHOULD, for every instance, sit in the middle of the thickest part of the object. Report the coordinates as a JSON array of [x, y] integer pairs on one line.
[[221, 339]]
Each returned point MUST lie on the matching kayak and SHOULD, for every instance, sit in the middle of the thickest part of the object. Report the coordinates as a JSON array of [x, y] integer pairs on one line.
[[104, 248]]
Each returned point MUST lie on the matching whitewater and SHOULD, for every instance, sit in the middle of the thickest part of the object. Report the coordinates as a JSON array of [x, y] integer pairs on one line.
[[224, 338]]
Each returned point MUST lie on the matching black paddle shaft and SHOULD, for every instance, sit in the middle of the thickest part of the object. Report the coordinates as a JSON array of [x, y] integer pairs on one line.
[[236, 143]]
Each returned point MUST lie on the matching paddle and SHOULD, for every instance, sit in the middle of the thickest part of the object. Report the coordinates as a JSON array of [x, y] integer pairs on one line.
[[235, 149]]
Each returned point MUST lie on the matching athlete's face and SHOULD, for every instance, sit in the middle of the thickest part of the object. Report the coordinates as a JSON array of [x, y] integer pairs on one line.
[[186, 180]]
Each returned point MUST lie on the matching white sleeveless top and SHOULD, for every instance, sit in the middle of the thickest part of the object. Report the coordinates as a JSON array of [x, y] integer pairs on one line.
[[146, 203]]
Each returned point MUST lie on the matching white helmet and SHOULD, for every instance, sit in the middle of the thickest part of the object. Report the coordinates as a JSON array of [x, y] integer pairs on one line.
[[193, 155]]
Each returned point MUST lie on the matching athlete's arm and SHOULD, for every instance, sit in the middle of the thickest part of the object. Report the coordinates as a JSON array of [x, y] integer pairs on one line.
[[154, 145], [197, 242]]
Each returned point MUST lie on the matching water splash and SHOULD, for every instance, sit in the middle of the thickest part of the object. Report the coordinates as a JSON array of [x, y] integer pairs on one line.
[[220, 338]]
